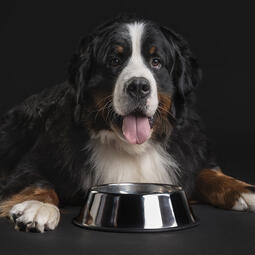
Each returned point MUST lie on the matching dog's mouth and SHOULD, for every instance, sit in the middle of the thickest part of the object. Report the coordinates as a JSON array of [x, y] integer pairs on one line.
[[136, 127]]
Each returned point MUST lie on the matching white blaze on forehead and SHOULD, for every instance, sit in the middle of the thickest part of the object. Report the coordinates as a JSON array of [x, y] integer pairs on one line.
[[135, 68], [136, 32]]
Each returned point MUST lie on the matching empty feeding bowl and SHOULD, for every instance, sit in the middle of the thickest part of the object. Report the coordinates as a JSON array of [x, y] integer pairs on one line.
[[136, 207]]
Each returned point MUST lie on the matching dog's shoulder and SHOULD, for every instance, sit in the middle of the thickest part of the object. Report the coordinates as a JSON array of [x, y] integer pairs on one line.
[[21, 125], [44, 102], [38, 105]]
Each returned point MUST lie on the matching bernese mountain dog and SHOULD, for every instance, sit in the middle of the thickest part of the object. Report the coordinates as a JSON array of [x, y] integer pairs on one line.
[[125, 114]]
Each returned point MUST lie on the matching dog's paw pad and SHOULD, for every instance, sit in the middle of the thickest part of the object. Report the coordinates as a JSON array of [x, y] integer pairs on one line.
[[34, 216], [246, 202]]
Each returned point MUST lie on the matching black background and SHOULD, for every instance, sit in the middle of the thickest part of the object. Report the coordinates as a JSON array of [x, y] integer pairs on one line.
[[37, 39]]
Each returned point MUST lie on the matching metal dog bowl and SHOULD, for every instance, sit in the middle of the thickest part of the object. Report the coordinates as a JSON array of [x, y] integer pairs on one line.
[[136, 207]]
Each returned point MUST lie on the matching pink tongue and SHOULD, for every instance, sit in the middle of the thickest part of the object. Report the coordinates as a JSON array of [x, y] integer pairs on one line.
[[136, 129]]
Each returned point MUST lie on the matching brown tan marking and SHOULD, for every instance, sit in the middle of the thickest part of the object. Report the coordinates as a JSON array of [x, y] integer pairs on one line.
[[164, 103], [103, 101], [29, 193], [97, 113], [152, 50], [218, 189], [119, 49], [162, 126]]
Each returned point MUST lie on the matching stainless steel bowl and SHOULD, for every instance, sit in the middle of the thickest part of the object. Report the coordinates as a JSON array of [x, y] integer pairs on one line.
[[136, 207]]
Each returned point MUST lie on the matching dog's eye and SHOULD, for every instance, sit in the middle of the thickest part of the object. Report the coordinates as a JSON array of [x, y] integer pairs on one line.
[[115, 61], [155, 63]]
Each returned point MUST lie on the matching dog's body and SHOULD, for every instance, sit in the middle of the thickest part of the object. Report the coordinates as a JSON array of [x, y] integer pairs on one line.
[[126, 114]]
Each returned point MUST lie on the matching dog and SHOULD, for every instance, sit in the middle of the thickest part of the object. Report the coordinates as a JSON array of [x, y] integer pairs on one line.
[[125, 114]]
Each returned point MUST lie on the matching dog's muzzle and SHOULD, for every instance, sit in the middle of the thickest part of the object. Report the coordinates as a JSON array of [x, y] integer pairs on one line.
[[135, 101], [136, 126]]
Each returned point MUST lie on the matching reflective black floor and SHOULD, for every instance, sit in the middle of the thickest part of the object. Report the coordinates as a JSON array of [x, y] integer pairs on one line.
[[219, 232]]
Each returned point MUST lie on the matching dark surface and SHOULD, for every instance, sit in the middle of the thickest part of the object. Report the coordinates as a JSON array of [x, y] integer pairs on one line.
[[218, 232]]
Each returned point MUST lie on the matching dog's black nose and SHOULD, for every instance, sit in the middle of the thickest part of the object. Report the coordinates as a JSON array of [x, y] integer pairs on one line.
[[138, 87]]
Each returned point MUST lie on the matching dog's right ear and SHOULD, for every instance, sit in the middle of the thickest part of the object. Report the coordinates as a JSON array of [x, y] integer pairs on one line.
[[80, 67], [186, 71]]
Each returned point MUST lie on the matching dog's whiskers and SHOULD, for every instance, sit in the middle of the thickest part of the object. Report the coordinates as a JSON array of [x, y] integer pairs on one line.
[[163, 110], [104, 99]]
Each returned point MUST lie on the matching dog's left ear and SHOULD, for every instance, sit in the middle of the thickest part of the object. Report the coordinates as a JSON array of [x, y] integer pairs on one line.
[[80, 67], [79, 72], [185, 71]]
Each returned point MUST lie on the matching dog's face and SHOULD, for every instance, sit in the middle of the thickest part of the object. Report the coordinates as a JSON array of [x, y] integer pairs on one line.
[[128, 75]]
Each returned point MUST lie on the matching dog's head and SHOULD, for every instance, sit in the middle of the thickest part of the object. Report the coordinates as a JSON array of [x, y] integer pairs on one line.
[[129, 74]]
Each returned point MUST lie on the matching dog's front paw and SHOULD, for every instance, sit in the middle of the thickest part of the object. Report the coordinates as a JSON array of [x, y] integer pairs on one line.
[[34, 215], [246, 202]]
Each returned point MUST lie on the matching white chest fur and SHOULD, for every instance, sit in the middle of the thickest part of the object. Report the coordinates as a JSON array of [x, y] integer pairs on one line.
[[114, 160]]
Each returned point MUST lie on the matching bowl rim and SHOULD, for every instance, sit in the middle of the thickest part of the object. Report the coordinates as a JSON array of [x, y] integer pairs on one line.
[[171, 188]]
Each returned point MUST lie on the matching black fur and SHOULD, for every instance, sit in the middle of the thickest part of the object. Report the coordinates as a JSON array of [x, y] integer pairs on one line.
[[42, 140]]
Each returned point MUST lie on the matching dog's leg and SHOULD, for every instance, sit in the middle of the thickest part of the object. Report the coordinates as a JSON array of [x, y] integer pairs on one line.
[[32, 209], [225, 192]]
